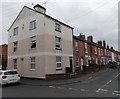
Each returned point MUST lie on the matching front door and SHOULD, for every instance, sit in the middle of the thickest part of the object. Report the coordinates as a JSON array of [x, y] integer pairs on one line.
[[71, 64]]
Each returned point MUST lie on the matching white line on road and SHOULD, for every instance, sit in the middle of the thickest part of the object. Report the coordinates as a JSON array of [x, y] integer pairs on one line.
[[60, 87], [116, 94], [51, 86], [103, 89], [117, 91]]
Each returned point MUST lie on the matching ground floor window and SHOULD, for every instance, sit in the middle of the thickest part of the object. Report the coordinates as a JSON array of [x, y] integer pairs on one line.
[[87, 63], [77, 61], [32, 62], [58, 62], [14, 63]]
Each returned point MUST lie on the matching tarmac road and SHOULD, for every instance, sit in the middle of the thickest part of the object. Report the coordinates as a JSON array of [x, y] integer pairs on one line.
[[100, 84]]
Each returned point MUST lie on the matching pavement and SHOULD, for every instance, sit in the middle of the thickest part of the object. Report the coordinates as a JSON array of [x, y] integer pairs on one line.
[[39, 82]]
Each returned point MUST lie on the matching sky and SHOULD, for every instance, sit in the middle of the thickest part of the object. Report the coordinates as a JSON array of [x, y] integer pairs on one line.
[[98, 18]]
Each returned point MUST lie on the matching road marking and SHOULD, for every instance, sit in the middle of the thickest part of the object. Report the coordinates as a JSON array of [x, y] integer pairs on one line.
[[117, 91], [97, 91], [60, 87], [103, 90], [51, 86], [83, 90], [116, 94], [70, 88]]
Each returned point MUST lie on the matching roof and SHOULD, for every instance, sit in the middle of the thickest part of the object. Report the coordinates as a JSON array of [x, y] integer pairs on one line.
[[40, 13]]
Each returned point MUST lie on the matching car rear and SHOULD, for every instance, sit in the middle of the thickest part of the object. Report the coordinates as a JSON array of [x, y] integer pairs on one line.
[[10, 77]]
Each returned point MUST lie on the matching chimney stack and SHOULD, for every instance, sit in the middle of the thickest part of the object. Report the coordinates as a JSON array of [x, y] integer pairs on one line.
[[111, 48], [104, 43], [82, 36], [90, 38], [40, 8], [108, 46], [100, 43]]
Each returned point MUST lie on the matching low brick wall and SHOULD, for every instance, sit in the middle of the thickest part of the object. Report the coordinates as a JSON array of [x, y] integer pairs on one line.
[[57, 76]]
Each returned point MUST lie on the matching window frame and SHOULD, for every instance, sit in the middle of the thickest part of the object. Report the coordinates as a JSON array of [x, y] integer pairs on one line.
[[58, 27], [33, 42], [77, 46], [32, 25], [32, 63], [77, 61], [58, 43], [59, 61], [15, 46], [15, 63], [86, 48], [15, 31]]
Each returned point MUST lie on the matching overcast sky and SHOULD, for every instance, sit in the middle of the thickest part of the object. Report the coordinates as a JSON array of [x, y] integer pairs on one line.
[[91, 17]]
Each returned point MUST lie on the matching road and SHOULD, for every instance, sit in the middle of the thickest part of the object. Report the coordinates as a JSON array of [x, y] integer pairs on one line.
[[100, 84]]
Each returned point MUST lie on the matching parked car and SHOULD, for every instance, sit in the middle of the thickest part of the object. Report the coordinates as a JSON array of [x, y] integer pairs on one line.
[[9, 76], [113, 65]]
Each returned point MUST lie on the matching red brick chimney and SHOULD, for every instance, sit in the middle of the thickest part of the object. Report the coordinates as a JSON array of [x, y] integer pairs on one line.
[[100, 43], [104, 43], [112, 48], [90, 38], [108, 46], [82, 36]]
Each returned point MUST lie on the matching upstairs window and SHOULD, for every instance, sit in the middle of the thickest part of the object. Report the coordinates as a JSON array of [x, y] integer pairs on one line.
[[95, 50], [58, 42], [15, 31], [86, 48], [98, 51], [57, 27], [33, 42], [32, 25], [15, 46], [76, 45]]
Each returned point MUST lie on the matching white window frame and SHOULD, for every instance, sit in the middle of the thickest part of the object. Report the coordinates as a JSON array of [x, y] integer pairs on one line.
[[105, 51], [77, 61], [98, 51], [101, 51], [32, 63], [95, 50], [57, 43], [15, 32], [33, 42], [32, 25], [58, 62], [15, 63], [86, 48], [15, 46], [77, 46]]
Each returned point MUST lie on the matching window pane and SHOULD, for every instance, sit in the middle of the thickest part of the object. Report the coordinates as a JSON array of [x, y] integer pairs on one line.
[[58, 65], [15, 31], [58, 42], [33, 42], [33, 24], [58, 59]]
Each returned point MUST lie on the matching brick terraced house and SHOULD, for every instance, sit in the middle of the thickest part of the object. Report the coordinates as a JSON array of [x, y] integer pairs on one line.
[[3, 56], [87, 52]]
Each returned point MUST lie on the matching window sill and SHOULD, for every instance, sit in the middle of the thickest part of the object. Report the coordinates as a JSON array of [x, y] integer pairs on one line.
[[58, 48], [32, 29], [33, 48], [32, 69], [58, 69], [57, 30]]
